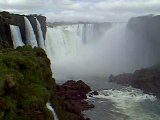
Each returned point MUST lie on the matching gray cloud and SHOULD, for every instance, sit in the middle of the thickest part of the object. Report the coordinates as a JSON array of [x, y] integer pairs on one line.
[[83, 10]]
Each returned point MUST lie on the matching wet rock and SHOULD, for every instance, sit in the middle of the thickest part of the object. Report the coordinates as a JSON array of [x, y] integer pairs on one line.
[[94, 93], [73, 94]]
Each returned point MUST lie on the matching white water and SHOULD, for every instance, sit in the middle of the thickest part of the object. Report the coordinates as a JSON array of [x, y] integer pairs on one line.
[[81, 50], [68, 40], [84, 50], [60, 42], [67, 45], [53, 111], [30, 36], [16, 36], [40, 35], [130, 102]]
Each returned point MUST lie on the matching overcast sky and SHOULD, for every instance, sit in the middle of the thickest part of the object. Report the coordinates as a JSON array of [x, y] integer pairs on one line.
[[83, 10]]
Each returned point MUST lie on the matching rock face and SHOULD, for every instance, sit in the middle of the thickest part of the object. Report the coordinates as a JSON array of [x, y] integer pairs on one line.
[[147, 80], [145, 32], [72, 94], [144, 43], [7, 18]]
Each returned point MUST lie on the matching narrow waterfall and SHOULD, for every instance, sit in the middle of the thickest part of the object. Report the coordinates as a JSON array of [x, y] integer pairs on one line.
[[53, 111], [40, 35], [16, 36], [30, 36]]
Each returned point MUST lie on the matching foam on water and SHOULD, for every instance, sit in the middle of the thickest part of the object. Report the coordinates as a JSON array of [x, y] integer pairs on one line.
[[128, 101]]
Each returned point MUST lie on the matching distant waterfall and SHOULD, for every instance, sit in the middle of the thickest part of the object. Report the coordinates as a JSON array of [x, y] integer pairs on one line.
[[40, 35], [16, 36], [30, 36]]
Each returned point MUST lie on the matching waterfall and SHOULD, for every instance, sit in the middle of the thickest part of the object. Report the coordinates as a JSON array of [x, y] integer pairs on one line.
[[67, 43], [53, 111], [66, 40], [40, 35], [16, 36], [30, 36], [61, 41], [89, 33]]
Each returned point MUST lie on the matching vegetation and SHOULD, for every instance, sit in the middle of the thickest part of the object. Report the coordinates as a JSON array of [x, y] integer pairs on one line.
[[26, 85]]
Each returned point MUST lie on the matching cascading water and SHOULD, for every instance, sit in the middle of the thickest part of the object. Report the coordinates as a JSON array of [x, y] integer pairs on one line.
[[40, 35], [16, 36], [64, 43], [91, 52], [53, 111], [30, 36]]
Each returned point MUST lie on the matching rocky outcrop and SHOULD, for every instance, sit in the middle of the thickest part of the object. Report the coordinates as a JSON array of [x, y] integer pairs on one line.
[[7, 18], [73, 93], [147, 80]]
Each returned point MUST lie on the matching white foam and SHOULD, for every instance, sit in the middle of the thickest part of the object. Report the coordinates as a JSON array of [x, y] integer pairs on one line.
[[128, 102]]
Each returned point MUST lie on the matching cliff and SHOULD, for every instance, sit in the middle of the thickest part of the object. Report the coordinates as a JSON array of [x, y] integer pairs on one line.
[[145, 31], [7, 19], [26, 85]]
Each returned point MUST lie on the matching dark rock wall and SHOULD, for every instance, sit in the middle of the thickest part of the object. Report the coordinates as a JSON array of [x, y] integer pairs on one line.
[[6, 40], [146, 29], [7, 18]]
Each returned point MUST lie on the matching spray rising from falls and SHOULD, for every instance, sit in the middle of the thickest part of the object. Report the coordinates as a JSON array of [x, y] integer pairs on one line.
[[77, 48], [92, 50], [16, 36], [30, 36], [40, 35]]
